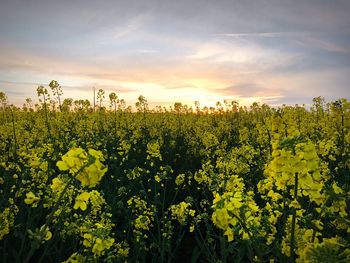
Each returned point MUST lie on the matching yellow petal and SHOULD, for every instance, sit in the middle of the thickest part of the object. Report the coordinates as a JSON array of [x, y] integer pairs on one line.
[[83, 206], [62, 166]]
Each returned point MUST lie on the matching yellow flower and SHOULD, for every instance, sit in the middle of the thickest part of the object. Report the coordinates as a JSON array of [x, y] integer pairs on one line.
[[180, 179], [89, 165], [274, 196], [87, 240], [337, 189], [153, 150], [75, 258], [81, 201], [101, 245], [221, 218], [96, 199], [6, 221], [191, 228], [217, 198], [92, 174], [181, 211], [229, 234], [73, 160], [31, 198], [48, 234], [142, 222], [123, 252], [98, 246], [57, 185], [157, 178]]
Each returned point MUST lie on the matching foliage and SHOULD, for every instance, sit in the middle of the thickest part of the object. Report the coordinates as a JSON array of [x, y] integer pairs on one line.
[[230, 184]]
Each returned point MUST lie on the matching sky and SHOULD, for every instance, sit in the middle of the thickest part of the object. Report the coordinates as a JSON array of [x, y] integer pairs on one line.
[[268, 51]]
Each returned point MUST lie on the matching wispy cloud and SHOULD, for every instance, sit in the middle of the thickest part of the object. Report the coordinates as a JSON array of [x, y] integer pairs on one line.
[[248, 89], [131, 25], [261, 34], [242, 57], [327, 45], [146, 51]]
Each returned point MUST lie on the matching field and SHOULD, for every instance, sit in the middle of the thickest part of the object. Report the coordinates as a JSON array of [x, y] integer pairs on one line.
[[226, 184]]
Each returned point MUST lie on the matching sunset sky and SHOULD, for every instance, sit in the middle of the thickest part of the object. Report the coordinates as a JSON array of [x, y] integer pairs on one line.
[[272, 51]]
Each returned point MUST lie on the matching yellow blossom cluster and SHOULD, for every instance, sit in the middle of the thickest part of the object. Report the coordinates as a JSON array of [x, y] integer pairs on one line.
[[236, 212], [153, 151], [182, 212], [7, 218], [81, 201], [31, 199], [300, 161], [98, 245], [85, 166], [329, 250], [180, 179], [143, 214]]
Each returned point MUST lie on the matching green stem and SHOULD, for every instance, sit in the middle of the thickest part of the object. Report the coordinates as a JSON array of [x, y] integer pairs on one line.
[[47, 118], [223, 248], [180, 236], [14, 134], [24, 236], [204, 243], [51, 215], [292, 237]]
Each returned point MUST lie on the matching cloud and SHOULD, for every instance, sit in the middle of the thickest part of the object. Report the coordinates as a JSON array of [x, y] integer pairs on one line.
[[247, 90], [146, 51], [241, 57], [261, 34], [324, 44], [131, 25]]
